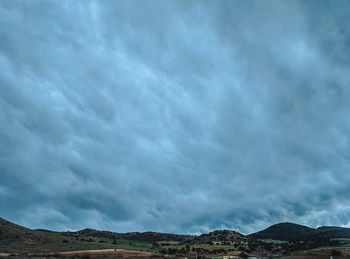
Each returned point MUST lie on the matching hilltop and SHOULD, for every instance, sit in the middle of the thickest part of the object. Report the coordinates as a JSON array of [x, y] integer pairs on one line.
[[285, 231]]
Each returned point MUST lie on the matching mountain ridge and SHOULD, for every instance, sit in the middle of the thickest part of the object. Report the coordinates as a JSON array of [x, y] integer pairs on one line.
[[275, 231]]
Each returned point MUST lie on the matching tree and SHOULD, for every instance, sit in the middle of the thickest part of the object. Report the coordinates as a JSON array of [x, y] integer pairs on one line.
[[243, 255], [336, 253]]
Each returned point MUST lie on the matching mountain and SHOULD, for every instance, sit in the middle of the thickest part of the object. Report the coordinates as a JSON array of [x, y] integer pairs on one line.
[[285, 231]]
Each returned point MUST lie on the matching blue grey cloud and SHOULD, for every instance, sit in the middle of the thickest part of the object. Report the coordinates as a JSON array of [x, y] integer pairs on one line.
[[177, 116]]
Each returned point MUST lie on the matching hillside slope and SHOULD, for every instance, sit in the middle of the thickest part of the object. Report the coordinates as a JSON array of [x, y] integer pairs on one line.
[[18, 239], [15, 238]]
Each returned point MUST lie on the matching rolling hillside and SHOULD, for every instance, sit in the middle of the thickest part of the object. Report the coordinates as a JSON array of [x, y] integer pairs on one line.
[[18, 239]]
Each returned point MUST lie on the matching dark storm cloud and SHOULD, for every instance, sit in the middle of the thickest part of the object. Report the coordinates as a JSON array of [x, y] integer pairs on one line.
[[179, 116]]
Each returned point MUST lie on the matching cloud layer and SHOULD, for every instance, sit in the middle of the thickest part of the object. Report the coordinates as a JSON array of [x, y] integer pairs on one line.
[[177, 116]]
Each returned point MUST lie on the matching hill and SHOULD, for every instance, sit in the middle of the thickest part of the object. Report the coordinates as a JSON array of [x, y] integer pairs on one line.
[[285, 231], [220, 236], [15, 238], [18, 239], [333, 232], [136, 236]]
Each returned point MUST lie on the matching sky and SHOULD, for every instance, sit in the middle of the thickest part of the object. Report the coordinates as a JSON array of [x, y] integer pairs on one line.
[[174, 116]]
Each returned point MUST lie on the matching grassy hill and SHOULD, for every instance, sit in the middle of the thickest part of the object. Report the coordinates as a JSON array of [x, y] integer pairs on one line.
[[18, 239]]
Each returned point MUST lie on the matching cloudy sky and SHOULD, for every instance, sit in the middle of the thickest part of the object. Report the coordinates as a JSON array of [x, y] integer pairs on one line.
[[177, 116]]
